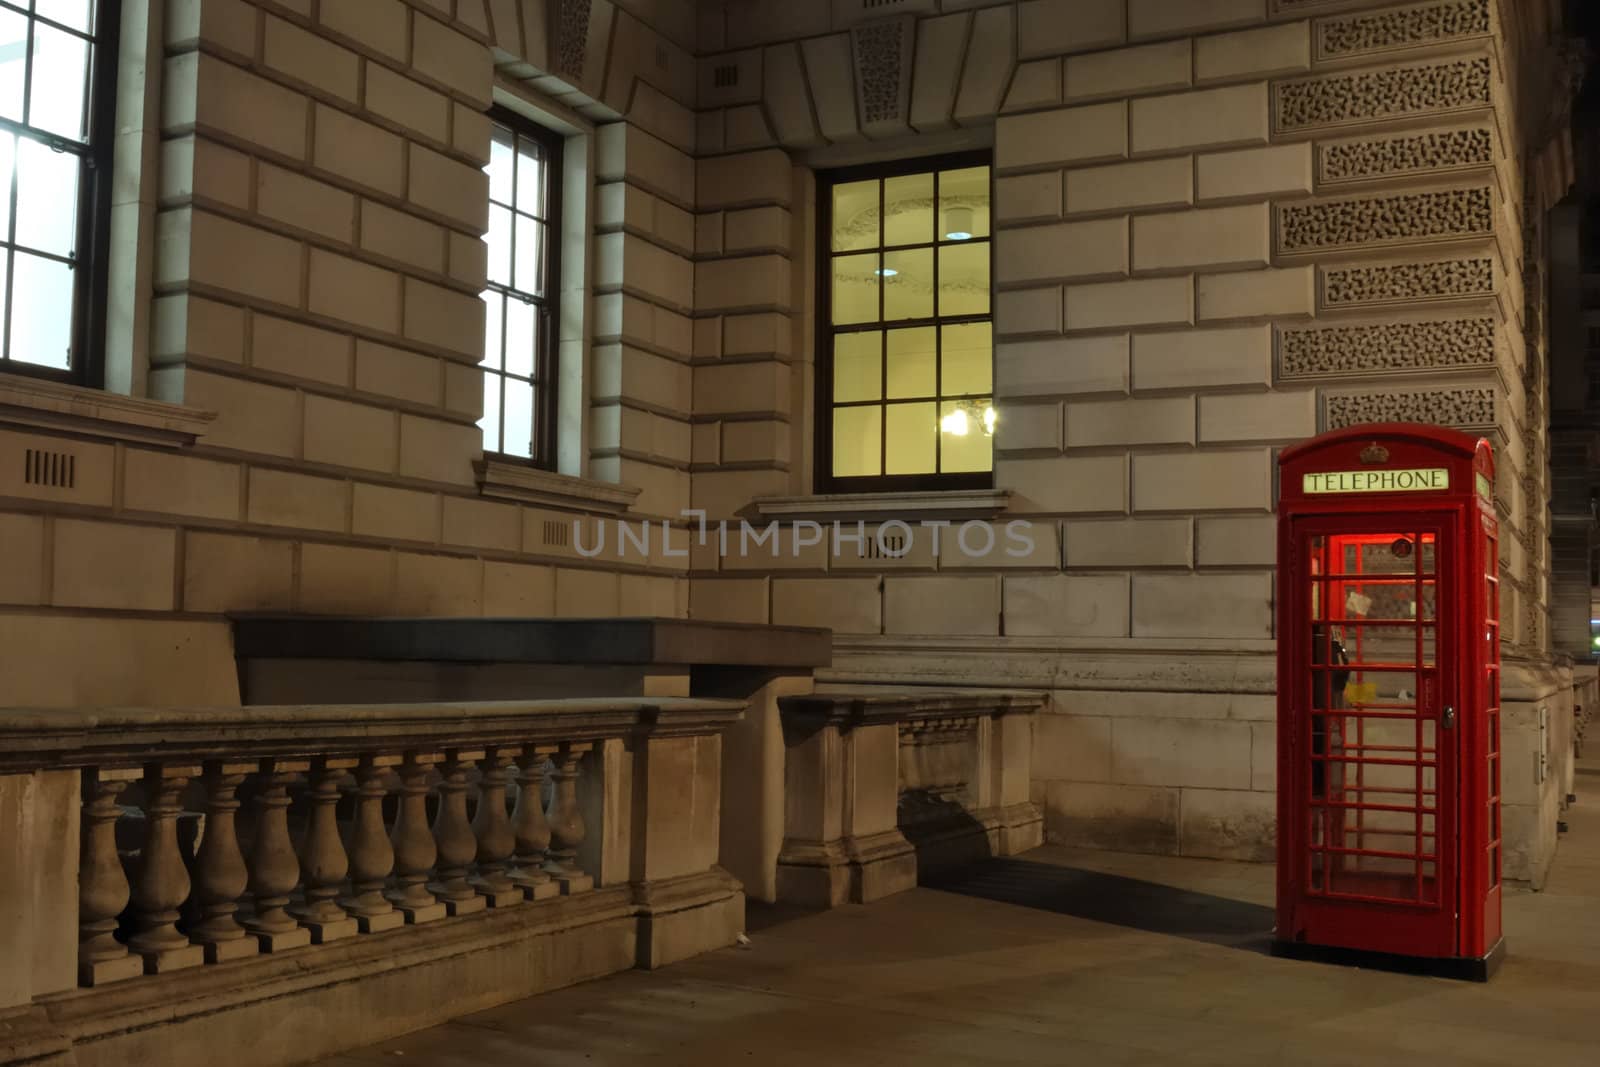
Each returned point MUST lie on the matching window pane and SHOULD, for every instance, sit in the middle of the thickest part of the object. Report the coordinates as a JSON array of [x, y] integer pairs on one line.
[[855, 216], [911, 363], [8, 151], [858, 366], [910, 439], [855, 289], [499, 241], [47, 197], [908, 292], [13, 66], [519, 419], [966, 442], [494, 309], [529, 274], [500, 166], [41, 311], [968, 359], [857, 439], [908, 210], [521, 337], [78, 14], [530, 177], [60, 62], [491, 413], [964, 279], [964, 203]]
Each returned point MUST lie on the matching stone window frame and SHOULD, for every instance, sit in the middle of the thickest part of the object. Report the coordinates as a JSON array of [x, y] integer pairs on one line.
[[824, 481], [92, 251]]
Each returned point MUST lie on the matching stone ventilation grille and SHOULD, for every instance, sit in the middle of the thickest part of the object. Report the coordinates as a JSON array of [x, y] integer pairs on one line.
[[59, 470], [1394, 283], [878, 47], [1379, 94], [1398, 29], [572, 36], [556, 534], [1416, 153], [1413, 217], [1390, 346], [1441, 407]]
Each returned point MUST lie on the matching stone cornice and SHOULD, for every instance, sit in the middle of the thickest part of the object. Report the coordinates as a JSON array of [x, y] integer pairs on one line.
[[529, 485], [40, 404]]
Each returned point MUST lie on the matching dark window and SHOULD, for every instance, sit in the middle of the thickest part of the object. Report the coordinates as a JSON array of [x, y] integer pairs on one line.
[[905, 351], [57, 112], [524, 239]]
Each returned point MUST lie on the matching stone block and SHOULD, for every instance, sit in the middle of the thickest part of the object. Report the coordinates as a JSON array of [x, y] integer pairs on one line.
[[426, 585], [113, 566], [1236, 541], [1028, 427], [1229, 824], [741, 387], [1283, 170], [196, 246], [447, 318], [1074, 748], [1062, 367], [1129, 71], [1146, 421], [945, 606], [204, 92], [1201, 359], [176, 484], [587, 593], [1204, 606], [352, 291], [251, 417], [1236, 115], [1151, 183], [720, 182], [396, 372], [1028, 311], [1280, 416], [380, 25], [311, 60], [349, 435], [452, 59], [359, 151], [463, 389], [1051, 28], [641, 595], [1203, 481], [1075, 134], [469, 259], [513, 589], [282, 498], [1256, 294], [739, 284], [407, 103], [481, 524], [225, 24], [195, 166], [1066, 605], [448, 187], [438, 451], [1264, 756], [289, 347], [757, 229], [1143, 302], [728, 599], [1094, 249], [1128, 543], [843, 605], [341, 580], [186, 324], [1253, 53], [1159, 18], [470, 133], [1028, 197], [1033, 85], [305, 203], [395, 235], [994, 33], [1204, 239], [224, 573], [22, 567], [1199, 753], [1127, 818], [1063, 485], [394, 514]]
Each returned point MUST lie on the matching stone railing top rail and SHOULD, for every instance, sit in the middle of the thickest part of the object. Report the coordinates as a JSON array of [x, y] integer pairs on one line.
[[38, 738], [567, 641], [849, 708]]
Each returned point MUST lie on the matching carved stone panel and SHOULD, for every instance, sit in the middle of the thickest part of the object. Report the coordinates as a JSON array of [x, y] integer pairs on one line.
[[1405, 154], [1379, 284], [1385, 348], [1466, 408], [1370, 32], [1377, 221], [882, 51], [572, 37], [1441, 87]]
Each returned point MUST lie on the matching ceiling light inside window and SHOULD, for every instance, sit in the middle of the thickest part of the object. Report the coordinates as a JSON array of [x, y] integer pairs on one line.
[[959, 221], [886, 272]]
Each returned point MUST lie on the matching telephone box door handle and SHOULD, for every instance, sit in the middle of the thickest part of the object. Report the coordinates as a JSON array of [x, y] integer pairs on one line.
[[1447, 718]]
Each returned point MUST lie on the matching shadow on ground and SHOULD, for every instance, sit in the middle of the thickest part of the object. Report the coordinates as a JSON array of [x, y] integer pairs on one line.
[[1116, 899]]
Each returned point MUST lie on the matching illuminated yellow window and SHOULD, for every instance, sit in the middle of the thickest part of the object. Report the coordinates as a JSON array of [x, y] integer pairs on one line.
[[906, 352]]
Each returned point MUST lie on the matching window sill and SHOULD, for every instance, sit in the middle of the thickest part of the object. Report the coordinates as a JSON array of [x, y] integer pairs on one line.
[[50, 405], [530, 485], [932, 504]]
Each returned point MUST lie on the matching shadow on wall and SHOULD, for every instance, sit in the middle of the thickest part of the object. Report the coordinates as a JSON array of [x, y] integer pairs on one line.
[[1111, 898]]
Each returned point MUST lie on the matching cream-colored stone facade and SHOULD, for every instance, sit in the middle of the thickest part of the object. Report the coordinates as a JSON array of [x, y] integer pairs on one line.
[[1221, 226]]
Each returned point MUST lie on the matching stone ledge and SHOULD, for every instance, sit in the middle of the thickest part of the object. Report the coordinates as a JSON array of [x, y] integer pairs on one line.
[[50, 405], [505, 480], [914, 506]]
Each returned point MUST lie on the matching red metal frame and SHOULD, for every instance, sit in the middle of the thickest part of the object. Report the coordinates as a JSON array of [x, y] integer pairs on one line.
[[1388, 817]]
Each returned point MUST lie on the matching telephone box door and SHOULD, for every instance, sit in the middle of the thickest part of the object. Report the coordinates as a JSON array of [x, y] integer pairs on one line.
[[1373, 764]]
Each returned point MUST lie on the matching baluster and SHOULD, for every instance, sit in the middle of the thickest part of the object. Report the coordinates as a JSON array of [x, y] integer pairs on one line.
[[274, 869], [371, 855], [492, 827], [220, 873], [102, 884], [163, 882], [322, 858], [453, 834], [414, 850], [530, 828], [566, 822]]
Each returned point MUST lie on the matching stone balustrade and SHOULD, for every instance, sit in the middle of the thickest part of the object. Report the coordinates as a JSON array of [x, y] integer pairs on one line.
[[214, 841], [887, 786]]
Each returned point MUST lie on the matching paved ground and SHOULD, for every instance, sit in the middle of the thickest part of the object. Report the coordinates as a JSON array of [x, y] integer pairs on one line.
[[1066, 956]]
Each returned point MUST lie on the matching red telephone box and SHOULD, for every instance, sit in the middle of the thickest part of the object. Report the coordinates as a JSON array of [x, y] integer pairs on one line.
[[1389, 700]]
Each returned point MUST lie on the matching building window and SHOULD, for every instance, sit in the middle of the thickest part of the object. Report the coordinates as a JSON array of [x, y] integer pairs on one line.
[[906, 359], [524, 280], [57, 112]]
